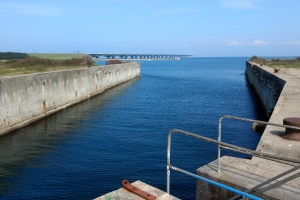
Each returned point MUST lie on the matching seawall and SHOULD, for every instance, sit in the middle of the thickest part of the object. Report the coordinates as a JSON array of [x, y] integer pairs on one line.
[[27, 98], [266, 85], [279, 94]]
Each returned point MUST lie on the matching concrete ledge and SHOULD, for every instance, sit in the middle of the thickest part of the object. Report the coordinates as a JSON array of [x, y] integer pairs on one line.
[[124, 194], [27, 98], [266, 85], [243, 174], [288, 105]]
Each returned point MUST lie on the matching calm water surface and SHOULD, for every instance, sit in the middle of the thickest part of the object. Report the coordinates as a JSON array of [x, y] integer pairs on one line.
[[86, 150]]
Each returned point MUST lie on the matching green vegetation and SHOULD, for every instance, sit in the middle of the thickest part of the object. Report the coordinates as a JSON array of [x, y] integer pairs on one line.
[[33, 64], [258, 60], [115, 61], [277, 63], [12, 55], [60, 56]]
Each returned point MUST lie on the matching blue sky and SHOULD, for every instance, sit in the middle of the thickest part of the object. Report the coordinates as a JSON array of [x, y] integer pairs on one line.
[[195, 27]]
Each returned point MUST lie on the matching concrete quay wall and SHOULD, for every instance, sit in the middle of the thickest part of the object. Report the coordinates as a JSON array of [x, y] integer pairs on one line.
[[27, 98], [266, 85], [244, 174]]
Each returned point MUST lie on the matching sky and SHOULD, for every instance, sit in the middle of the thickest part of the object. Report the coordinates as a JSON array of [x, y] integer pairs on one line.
[[202, 28]]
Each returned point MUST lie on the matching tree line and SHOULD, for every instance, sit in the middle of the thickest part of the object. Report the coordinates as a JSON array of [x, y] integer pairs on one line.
[[12, 55]]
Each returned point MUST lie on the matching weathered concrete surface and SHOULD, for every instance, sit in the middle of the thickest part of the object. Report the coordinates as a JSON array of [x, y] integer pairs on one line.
[[244, 174], [25, 99], [267, 86], [288, 105], [124, 194]]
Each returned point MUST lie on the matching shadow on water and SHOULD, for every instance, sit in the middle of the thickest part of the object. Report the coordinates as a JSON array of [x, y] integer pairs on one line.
[[257, 107], [86, 150], [229, 126], [20, 148]]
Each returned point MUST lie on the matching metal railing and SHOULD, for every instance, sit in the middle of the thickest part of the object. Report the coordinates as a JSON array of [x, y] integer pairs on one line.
[[250, 152], [249, 193]]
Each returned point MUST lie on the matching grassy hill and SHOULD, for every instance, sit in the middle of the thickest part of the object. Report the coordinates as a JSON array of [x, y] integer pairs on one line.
[[278, 63], [36, 63], [60, 56]]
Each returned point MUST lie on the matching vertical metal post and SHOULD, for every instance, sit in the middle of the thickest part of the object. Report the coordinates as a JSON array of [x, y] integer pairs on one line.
[[219, 139], [168, 179], [169, 161]]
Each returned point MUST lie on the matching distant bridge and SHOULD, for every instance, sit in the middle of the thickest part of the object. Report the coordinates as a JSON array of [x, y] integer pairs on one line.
[[138, 56]]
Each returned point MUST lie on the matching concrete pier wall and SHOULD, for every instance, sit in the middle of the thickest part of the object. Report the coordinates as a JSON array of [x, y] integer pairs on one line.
[[27, 98], [266, 85], [244, 174]]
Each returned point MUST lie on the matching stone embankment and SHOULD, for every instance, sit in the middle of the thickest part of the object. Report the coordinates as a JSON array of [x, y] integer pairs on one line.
[[27, 98], [279, 94]]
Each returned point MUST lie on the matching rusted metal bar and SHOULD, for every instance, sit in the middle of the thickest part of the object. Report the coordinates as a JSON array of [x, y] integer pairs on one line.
[[292, 134], [126, 184]]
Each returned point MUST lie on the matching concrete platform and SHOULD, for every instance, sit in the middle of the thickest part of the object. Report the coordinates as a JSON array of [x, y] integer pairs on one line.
[[124, 194], [244, 174], [288, 105]]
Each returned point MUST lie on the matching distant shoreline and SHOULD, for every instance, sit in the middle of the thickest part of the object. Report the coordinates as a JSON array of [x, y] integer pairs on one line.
[[135, 59]]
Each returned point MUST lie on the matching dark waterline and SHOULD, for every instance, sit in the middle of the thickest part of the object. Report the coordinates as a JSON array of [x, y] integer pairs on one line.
[[86, 150]]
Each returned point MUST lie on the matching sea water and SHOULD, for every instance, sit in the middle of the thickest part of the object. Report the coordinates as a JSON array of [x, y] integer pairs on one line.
[[86, 150]]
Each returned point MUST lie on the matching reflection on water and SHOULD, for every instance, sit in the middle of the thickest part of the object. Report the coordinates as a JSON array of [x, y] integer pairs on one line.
[[86, 150], [22, 148]]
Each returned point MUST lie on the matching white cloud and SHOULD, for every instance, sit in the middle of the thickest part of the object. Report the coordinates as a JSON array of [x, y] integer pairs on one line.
[[235, 43], [240, 4], [258, 43], [254, 43], [292, 42], [26, 9]]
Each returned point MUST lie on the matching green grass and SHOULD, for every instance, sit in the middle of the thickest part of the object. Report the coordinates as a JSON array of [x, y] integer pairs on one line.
[[277, 63], [59, 56], [296, 65], [14, 71], [34, 64]]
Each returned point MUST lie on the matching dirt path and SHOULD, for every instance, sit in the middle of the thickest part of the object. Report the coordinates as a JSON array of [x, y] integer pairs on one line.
[[291, 71]]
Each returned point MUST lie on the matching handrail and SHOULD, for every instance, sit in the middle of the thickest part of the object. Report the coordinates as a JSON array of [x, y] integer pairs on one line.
[[169, 166], [245, 194], [220, 145], [247, 120]]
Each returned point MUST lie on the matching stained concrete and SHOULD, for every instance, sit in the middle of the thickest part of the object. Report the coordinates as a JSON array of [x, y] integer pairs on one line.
[[267, 86], [288, 105], [243, 173], [25, 99], [122, 193]]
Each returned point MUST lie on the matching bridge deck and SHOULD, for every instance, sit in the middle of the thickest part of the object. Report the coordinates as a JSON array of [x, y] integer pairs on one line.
[[138, 56]]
